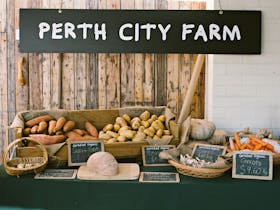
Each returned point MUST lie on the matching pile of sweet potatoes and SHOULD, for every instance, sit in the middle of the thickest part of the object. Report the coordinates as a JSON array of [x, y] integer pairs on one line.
[[48, 130]]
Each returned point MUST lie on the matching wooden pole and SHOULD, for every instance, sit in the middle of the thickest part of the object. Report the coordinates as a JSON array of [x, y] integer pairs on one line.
[[186, 108]]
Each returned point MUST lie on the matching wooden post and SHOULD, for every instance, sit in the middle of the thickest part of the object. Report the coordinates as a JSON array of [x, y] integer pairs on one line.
[[185, 111]]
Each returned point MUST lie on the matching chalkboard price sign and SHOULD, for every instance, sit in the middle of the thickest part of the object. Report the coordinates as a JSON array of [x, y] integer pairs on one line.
[[166, 177], [150, 155], [252, 165], [57, 174], [79, 151], [207, 152]]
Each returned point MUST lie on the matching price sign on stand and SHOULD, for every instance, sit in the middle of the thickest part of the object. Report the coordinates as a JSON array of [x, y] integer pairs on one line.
[[207, 152], [79, 151], [164, 177], [150, 155], [252, 165]]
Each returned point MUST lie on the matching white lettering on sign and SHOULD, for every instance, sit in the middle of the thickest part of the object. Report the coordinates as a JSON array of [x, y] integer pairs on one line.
[[131, 32]]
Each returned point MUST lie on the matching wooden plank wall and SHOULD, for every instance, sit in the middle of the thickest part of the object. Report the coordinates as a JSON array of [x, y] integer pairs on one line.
[[90, 81]]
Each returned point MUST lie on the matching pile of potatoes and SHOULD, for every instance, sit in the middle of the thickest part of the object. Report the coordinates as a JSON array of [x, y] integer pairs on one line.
[[136, 129], [48, 130]]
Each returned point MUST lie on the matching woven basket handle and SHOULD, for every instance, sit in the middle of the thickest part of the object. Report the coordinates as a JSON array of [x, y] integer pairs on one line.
[[45, 153]]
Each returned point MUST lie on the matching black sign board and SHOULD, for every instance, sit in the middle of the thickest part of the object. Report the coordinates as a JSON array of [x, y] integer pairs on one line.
[[207, 152], [140, 31], [166, 177], [79, 151], [57, 174], [252, 165], [150, 155]]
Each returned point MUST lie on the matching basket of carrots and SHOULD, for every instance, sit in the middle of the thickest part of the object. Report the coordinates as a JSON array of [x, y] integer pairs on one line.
[[253, 143], [16, 166]]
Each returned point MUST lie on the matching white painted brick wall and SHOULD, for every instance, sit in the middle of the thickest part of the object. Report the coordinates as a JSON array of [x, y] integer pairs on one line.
[[244, 90]]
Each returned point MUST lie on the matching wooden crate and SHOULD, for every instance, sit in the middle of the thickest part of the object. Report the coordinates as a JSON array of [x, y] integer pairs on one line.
[[99, 118]]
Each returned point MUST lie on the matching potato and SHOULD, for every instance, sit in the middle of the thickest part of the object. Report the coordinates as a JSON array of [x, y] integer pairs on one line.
[[52, 125], [121, 138], [158, 125], [59, 124], [129, 134], [80, 131], [156, 137], [166, 137], [159, 133], [166, 132], [26, 131], [141, 128], [154, 117], [126, 117], [42, 127], [135, 125], [91, 129], [140, 136], [145, 116], [146, 124], [117, 127], [149, 132], [101, 132], [150, 121], [112, 140], [112, 134], [108, 127], [124, 128], [104, 136], [37, 120], [162, 118], [121, 121], [135, 118]]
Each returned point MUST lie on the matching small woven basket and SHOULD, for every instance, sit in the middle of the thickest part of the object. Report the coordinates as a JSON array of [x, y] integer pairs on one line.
[[38, 164], [199, 172]]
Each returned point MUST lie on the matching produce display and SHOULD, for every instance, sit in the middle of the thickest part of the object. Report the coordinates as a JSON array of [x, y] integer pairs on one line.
[[136, 129], [48, 130]]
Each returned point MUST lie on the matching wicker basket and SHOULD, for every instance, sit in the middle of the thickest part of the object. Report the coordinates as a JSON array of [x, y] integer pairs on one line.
[[198, 172], [38, 163]]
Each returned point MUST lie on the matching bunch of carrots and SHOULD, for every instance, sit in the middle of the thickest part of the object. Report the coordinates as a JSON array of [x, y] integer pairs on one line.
[[252, 144]]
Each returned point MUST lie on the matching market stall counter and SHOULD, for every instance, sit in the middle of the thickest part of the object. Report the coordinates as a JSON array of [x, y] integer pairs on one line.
[[190, 193]]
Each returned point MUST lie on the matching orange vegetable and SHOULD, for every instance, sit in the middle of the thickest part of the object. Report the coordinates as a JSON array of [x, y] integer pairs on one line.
[[42, 127], [52, 125], [69, 125], [47, 139], [91, 129], [237, 140], [59, 124], [231, 144], [37, 120]]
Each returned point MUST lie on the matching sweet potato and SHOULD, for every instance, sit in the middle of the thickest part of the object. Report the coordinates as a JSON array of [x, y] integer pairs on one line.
[[52, 125], [47, 139], [42, 127], [73, 134], [34, 129], [26, 131], [91, 129], [68, 126], [59, 124], [37, 120], [80, 131]]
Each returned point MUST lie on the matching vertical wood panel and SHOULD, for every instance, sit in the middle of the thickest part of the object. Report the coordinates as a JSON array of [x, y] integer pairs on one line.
[[139, 67], [56, 70], [149, 67], [68, 71], [160, 68], [3, 13], [92, 71], [113, 70], [81, 68], [11, 78], [3, 93], [127, 68], [102, 70], [22, 91]]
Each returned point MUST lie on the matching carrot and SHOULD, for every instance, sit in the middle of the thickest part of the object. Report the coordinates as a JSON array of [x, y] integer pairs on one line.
[[47, 139], [37, 120], [236, 147], [52, 125], [91, 129], [59, 124], [258, 147], [42, 126], [69, 125], [237, 140], [270, 147]]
